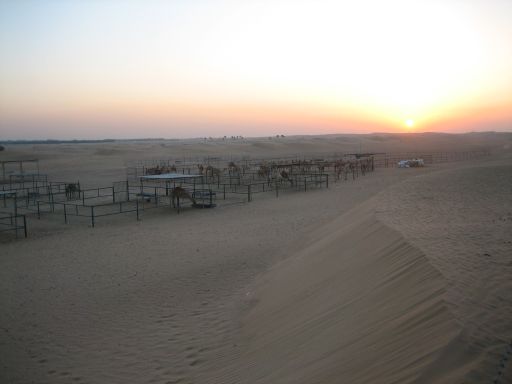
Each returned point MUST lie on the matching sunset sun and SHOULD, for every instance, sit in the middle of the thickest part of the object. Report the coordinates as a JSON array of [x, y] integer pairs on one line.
[[409, 123]]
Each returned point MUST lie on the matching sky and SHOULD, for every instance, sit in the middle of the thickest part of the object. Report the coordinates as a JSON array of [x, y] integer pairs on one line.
[[173, 69]]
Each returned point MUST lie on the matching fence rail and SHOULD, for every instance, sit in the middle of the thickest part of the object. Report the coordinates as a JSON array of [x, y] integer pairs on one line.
[[10, 222]]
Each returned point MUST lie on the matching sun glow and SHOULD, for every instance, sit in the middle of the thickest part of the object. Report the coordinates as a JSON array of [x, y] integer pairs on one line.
[[303, 66]]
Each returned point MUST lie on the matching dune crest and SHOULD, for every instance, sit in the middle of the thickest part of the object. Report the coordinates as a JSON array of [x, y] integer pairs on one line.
[[360, 304]]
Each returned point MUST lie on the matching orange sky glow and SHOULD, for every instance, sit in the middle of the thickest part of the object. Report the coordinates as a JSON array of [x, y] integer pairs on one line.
[[125, 69]]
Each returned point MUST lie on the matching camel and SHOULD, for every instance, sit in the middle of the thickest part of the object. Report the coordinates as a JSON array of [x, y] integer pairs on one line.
[[352, 167], [366, 165], [153, 171], [159, 170], [233, 168], [343, 167], [283, 175], [338, 168], [71, 191], [214, 172], [263, 171], [180, 193]]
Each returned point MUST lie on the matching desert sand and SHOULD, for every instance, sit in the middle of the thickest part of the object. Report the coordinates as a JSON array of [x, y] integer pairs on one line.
[[401, 276]]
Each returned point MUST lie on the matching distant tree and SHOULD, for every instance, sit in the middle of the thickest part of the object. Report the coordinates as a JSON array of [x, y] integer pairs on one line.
[[2, 148], [282, 135]]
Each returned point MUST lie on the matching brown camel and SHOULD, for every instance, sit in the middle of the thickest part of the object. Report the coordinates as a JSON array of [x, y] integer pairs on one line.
[[233, 168], [283, 175], [72, 191], [180, 193], [214, 172], [263, 171]]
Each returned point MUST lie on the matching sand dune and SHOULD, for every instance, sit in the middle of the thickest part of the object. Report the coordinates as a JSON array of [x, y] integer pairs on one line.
[[364, 304], [360, 305]]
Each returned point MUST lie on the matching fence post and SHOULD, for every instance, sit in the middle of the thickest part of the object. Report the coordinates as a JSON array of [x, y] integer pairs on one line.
[[249, 193], [113, 195], [25, 225], [127, 191], [38, 211], [137, 208], [327, 180], [92, 215], [305, 185], [65, 214]]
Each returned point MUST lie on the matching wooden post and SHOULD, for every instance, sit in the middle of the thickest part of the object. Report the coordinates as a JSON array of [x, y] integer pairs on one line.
[[127, 191], [249, 193], [38, 211], [277, 189], [113, 195], [65, 214], [92, 215], [25, 225], [137, 208], [224, 191], [305, 185]]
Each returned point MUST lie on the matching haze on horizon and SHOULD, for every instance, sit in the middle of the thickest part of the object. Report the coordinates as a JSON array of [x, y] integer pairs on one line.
[[123, 69]]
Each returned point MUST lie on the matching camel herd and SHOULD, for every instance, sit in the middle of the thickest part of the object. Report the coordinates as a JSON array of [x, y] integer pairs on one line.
[[280, 171], [342, 168], [160, 170], [273, 172]]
